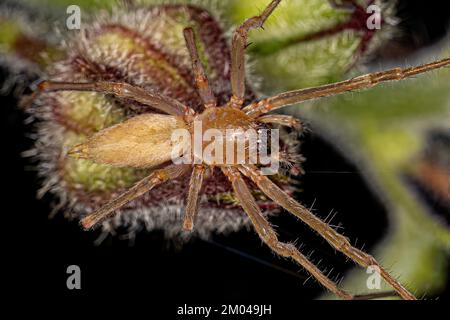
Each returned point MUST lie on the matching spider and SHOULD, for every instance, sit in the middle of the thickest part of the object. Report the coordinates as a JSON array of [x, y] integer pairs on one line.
[[142, 142]]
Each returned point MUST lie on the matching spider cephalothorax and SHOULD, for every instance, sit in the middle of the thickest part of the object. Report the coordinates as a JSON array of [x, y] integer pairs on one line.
[[145, 141]]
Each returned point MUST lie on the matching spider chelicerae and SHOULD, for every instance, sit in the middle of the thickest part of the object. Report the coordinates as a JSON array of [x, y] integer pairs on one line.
[[137, 143]]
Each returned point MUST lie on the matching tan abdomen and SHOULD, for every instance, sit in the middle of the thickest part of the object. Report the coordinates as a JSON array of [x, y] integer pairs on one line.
[[140, 142]]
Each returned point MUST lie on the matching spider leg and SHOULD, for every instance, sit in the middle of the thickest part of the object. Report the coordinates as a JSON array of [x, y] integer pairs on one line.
[[201, 80], [157, 177], [123, 90], [362, 82], [195, 185], [379, 295], [336, 240], [283, 120], [268, 234], [239, 43]]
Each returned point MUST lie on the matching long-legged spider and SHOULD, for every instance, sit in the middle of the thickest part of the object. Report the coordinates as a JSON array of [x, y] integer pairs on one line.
[[139, 142]]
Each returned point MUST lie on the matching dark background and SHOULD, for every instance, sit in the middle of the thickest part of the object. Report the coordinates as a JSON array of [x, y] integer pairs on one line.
[[232, 269]]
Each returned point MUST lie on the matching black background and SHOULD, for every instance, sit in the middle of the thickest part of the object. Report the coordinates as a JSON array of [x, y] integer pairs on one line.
[[232, 269]]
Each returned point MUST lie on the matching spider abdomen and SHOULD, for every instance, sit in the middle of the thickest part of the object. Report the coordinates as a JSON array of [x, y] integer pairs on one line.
[[144, 141]]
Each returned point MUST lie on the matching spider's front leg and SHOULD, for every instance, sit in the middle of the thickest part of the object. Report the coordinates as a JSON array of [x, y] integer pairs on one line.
[[203, 87], [269, 237], [126, 91], [239, 43], [257, 109], [156, 178], [336, 240]]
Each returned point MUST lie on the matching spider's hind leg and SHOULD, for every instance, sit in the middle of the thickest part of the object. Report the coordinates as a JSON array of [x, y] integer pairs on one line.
[[335, 239], [268, 234]]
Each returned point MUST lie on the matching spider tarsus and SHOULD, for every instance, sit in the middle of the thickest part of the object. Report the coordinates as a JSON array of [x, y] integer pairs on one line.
[[188, 225], [87, 223]]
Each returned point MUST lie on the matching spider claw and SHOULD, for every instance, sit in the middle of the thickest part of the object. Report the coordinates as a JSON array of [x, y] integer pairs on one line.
[[87, 223], [188, 226]]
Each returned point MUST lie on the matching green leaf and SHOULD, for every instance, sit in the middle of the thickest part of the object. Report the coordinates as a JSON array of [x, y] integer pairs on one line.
[[307, 43]]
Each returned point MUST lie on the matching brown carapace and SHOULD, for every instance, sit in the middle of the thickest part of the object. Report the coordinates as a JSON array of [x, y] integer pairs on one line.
[[144, 142]]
